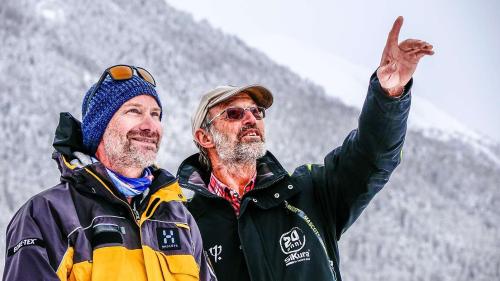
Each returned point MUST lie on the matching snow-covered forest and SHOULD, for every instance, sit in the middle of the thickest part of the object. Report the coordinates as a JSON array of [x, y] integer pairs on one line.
[[437, 219]]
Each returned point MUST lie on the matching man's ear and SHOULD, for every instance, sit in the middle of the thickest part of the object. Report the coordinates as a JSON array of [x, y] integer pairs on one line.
[[204, 138]]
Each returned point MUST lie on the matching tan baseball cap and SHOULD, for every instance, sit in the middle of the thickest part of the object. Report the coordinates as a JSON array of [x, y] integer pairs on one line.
[[261, 95]]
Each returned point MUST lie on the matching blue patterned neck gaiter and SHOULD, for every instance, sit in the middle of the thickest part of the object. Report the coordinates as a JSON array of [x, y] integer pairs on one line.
[[131, 187]]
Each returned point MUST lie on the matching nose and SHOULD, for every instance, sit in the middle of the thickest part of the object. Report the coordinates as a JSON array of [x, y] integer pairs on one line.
[[248, 118], [148, 123]]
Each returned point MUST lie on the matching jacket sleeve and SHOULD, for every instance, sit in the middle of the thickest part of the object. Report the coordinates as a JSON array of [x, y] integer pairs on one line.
[[353, 173], [32, 251]]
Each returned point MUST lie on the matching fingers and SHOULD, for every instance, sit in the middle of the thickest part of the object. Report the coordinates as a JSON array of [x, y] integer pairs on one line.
[[393, 37], [425, 51], [410, 44], [420, 54], [416, 48]]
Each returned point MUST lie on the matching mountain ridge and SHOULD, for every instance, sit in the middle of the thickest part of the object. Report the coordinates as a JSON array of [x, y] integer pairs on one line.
[[439, 201]]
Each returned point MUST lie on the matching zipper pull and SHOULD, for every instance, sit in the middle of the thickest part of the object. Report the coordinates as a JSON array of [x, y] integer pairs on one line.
[[136, 214], [332, 268], [134, 210]]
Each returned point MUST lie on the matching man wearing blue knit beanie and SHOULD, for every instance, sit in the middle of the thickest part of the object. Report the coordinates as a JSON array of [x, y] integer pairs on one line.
[[115, 215]]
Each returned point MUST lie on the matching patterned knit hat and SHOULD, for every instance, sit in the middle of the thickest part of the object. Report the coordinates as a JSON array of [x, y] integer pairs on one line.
[[110, 96]]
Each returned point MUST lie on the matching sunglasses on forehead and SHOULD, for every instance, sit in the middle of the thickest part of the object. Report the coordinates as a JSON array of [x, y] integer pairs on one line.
[[237, 113], [121, 72]]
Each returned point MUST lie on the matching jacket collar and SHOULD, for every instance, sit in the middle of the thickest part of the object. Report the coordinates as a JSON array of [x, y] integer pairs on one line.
[[193, 176], [273, 186]]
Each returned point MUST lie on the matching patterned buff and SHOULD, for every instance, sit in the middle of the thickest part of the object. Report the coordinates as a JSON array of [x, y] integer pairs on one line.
[[131, 187]]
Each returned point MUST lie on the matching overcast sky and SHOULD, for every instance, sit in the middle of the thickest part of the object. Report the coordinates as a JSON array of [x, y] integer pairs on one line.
[[461, 78]]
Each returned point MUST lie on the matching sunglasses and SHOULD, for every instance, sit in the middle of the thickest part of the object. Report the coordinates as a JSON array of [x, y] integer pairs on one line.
[[237, 113], [121, 72]]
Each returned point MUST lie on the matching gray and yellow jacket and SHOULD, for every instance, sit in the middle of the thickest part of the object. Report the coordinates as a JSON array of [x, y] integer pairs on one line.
[[289, 225], [84, 229]]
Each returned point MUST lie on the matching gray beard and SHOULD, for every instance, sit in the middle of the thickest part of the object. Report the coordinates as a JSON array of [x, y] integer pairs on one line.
[[237, 153], [122, 153]]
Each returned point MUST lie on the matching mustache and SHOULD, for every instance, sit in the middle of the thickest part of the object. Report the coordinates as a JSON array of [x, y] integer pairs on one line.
[[152, 135], [245, 128]]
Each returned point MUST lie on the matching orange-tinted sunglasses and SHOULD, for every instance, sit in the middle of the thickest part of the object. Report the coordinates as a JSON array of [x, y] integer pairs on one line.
[[121, 72]]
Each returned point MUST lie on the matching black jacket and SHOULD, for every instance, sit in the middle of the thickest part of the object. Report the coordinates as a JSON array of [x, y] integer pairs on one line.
[[289, 225]]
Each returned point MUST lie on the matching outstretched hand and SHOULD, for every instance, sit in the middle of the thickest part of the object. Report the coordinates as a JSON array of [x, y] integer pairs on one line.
[[399, 61]]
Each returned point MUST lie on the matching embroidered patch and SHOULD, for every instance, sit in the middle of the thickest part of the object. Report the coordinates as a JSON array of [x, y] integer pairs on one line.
[[24, 243], [168, 238]]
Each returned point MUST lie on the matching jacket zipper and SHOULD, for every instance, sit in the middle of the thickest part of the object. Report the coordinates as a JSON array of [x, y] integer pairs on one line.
[[239, 234], [133, 211], [308, 221], [243, 250], [211, 195], [137, 216]]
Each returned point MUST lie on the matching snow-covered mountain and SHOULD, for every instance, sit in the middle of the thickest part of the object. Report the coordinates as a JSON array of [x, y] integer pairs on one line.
[[346, 81], [437, 219]]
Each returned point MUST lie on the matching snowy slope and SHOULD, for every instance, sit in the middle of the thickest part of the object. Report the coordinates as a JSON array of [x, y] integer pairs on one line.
[[437, 219], [347, 82]]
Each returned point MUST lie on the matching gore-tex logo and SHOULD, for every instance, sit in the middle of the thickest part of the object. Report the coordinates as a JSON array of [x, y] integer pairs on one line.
[[23, 243], [292, 241]]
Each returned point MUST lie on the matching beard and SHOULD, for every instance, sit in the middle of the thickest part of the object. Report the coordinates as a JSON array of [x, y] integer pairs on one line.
[[236, 152], [122, 151]]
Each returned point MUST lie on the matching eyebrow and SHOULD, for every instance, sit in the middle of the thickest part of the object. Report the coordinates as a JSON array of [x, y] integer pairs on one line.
[[141, 105]]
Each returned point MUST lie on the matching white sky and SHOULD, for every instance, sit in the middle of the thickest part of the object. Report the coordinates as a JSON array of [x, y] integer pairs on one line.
[[460, 79]]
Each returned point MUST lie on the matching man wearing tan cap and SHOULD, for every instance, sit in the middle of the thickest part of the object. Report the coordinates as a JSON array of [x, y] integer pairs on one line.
[[260, 223]]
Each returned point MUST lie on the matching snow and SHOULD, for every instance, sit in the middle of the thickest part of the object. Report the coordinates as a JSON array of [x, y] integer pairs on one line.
[[51, 10], [443, 196], [347, 81]]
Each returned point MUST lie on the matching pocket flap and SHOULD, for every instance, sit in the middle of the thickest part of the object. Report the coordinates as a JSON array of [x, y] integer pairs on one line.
[[182, 264]]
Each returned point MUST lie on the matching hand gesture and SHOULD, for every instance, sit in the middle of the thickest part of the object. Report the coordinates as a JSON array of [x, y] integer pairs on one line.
[[399, 61]]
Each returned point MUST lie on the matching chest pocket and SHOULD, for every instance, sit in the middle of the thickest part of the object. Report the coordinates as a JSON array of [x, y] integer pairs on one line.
[[116, 253], [168, 250]]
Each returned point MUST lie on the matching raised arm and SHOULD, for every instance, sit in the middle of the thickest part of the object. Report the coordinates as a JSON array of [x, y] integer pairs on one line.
[[353, 173]]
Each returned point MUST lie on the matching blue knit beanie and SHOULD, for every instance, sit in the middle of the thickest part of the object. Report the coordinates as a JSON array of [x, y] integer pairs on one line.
[[110, 96]]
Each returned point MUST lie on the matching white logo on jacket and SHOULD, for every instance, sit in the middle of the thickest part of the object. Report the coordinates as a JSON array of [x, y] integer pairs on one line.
[[216, 252], [291, 244], [292, 241]]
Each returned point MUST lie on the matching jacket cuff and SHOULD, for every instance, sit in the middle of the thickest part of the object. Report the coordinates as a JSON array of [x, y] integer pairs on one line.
[[375, 84], [387, 103]]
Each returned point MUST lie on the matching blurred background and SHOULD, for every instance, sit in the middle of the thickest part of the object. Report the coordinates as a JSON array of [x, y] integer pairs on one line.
[[330, 41], [437, 219]]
